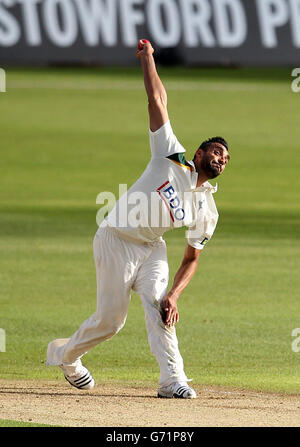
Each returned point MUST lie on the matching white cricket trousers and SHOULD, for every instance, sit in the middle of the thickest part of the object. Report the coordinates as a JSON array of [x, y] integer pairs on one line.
[[122, 265]]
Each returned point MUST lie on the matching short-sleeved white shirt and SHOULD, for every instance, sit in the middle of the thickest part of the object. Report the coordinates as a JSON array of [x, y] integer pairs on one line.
[[166, 197]]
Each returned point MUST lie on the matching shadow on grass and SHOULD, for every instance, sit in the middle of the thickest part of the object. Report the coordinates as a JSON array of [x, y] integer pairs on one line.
[[221, 74], [52, 222]]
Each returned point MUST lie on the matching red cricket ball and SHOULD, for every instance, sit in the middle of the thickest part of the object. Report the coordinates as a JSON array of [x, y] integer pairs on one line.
[[141, 43]]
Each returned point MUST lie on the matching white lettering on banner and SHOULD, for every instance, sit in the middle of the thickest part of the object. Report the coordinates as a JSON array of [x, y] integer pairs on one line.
[[235, 36], [168, 35], [65, 36], [196, 15], [130, 18], [31, 22], [98, 17], [195, 23], [10, 32], [271, 13], [295, 21]]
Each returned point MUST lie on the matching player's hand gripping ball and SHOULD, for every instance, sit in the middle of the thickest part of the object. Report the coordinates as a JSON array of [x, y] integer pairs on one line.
[[141, 43]]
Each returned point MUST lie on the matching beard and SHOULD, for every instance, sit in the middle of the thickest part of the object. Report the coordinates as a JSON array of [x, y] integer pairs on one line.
[[211, 170]]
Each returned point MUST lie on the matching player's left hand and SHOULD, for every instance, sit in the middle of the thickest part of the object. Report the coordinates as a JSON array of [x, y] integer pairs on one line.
[[144, 48], [170, 310]]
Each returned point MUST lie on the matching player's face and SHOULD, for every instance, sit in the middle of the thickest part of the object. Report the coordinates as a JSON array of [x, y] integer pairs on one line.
[[214, 160]]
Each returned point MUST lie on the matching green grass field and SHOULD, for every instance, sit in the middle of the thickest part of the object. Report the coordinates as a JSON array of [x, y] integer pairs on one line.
[[10, 423], [67, 135]]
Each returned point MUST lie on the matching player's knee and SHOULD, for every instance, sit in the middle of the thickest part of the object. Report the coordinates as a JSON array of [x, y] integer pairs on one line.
[[108, 329], [114, 327]]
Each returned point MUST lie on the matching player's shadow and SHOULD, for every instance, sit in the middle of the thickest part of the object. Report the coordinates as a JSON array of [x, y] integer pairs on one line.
[[78, 394]]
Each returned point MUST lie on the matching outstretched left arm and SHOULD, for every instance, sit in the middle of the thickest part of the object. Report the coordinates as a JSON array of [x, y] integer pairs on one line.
[[156, 93], [181, 280]]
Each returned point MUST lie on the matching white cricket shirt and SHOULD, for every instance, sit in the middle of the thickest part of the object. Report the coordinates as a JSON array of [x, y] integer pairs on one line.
[[166, 197]]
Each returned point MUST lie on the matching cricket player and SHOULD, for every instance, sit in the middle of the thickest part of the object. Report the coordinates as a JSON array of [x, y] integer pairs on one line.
[[130, 254]]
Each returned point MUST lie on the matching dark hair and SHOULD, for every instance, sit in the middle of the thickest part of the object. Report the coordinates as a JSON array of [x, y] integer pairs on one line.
[[207, 143]]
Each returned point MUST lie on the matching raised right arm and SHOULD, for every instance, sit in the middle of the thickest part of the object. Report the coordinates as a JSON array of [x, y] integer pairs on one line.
[[157, 96]]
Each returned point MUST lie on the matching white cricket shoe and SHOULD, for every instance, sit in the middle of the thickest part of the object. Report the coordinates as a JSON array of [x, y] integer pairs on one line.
[[179, 390], [81, 379]]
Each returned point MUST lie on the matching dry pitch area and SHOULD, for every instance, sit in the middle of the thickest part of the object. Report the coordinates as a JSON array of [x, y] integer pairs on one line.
[[56, 403]]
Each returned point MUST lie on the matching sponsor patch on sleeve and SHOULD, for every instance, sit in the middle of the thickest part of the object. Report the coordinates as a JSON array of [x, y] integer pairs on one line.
[[204, 242]]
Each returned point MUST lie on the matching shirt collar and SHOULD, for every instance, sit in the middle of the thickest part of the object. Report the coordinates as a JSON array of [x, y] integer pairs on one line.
[[206, 185]]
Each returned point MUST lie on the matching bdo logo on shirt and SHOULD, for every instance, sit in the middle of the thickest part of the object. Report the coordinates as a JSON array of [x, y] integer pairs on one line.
[[172, 201]]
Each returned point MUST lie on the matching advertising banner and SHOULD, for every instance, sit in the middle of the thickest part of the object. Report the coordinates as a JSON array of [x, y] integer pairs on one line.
[[192, 32]]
